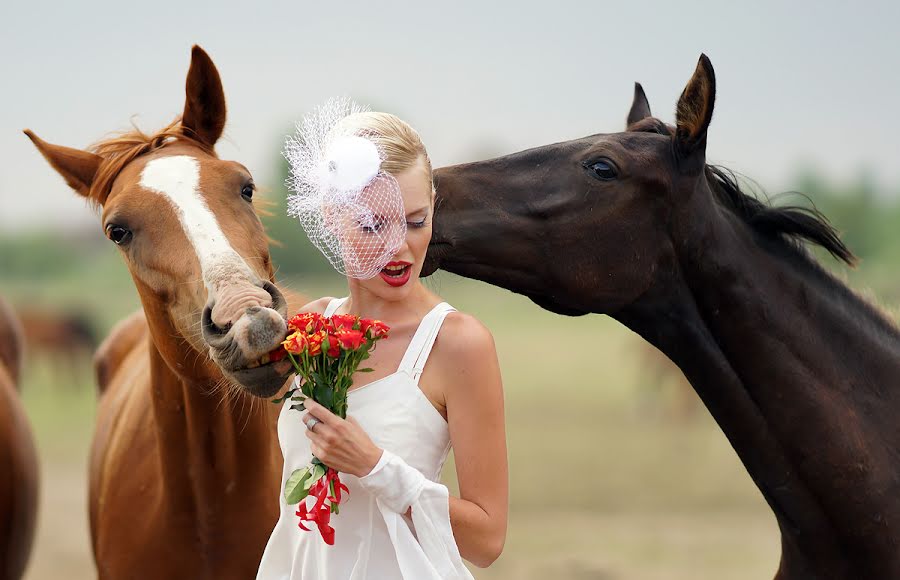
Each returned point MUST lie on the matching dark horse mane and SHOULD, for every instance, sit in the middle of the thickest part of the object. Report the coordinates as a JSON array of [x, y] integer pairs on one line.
[[787, 228], [789, 223]]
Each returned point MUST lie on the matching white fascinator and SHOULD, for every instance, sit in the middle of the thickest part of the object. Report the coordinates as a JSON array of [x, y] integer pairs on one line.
[[349, 207]]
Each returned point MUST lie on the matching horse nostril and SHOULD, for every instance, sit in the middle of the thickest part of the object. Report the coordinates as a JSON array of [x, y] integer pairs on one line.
[[279, 304], [209, 327]]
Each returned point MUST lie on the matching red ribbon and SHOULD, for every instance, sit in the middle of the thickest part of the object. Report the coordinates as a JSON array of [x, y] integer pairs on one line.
[[320, 514]]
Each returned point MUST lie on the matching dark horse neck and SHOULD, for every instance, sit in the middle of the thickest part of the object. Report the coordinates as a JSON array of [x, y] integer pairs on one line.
[[802, 376]]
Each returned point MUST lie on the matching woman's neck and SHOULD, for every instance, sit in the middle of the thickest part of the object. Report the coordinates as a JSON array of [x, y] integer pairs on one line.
[[364, 302]]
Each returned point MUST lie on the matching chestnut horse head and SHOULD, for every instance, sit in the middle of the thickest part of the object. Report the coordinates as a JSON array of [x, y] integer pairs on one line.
[[184, 222], [799, 372]]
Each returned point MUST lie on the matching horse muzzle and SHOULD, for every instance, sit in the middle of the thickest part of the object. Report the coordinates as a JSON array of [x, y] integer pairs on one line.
[[241, 348]]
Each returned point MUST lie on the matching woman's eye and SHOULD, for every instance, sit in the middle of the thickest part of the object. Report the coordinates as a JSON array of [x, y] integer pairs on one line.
[[418, 224], [371, 228], [603, 169], [118, 234], [247, 191]]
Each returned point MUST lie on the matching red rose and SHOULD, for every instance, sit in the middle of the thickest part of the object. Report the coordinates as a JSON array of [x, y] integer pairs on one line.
[[343, 321], [334, 346], [314, 343], [296, 343], [351, 339], [374, 328], [308, 322]]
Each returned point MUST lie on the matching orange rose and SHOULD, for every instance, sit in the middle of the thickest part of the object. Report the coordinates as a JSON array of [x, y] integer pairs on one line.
[[351, 339], [343, 321], [315, 343], [308, 322], [295, 343]]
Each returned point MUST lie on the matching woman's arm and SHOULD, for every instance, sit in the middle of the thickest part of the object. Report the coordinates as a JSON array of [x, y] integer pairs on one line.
[[473, 393], [464, 364]]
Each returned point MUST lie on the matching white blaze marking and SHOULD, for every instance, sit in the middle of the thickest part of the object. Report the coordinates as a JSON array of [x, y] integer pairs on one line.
[[177, 179]]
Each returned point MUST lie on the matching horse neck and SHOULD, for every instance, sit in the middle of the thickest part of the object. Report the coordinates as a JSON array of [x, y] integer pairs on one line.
[[210, 441], [799, 374]]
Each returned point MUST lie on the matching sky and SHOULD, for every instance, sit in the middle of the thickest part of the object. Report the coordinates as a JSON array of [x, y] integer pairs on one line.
[[799, 84]]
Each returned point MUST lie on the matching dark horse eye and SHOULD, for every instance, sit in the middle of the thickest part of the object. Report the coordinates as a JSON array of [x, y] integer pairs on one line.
[[118, 234], [247, 191], [602, 169]]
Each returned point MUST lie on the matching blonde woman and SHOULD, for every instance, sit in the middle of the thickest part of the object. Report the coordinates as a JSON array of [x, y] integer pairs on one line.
[[436, 383]]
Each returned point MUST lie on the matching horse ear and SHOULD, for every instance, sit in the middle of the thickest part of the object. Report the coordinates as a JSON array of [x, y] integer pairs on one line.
[[77, 167], [640, 107], [694, 112], [204, 106]]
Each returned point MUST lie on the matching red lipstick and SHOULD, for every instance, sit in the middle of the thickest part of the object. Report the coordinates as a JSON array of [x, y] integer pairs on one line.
[[397, 273]]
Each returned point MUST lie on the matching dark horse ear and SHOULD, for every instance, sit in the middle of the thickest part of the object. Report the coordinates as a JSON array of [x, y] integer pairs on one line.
[[77, 167], [640, 107], [695, 109], [204, 107]]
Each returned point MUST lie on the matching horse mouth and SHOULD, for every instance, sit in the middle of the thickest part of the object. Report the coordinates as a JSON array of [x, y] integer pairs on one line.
[[432, 263], [263, 377]]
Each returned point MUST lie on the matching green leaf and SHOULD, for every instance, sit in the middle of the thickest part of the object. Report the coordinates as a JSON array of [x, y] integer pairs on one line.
[[298, 407], [317, 472], [365, 370], [295, 489], [280, 400], [324, 396]]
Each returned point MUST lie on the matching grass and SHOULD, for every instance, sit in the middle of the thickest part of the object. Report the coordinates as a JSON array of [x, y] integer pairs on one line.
[[642, 493]]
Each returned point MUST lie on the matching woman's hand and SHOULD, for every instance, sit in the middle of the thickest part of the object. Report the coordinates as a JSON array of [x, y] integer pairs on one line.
[[340, 443]]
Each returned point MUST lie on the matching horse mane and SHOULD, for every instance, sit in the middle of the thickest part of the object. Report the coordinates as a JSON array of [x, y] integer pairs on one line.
[[788, 227], [791, 224], [120, 149]]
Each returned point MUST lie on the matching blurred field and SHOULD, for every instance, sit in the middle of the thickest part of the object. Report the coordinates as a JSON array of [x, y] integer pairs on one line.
[[647, 493]]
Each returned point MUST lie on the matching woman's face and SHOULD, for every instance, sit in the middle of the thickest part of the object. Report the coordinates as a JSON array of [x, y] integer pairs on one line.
[[397, 279]]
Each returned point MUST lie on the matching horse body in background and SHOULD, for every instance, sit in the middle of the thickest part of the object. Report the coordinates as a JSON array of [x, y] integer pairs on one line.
[[65, 338], [18, 459], [185, 466], [801, 374]]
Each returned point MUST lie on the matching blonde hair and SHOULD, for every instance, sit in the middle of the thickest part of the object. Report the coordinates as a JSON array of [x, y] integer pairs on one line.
[[399, 143]]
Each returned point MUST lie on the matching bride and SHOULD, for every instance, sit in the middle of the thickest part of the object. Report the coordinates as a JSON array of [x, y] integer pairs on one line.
[[435, 381]]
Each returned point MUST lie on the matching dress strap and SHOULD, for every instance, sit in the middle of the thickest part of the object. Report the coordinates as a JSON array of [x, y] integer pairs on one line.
[[416, 355], [334, 305]]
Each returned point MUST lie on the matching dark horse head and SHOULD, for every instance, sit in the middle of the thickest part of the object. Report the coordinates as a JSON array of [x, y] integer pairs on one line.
[[800, 373]]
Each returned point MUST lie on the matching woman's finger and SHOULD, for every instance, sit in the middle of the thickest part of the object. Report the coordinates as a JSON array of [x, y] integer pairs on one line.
[[320, 412]]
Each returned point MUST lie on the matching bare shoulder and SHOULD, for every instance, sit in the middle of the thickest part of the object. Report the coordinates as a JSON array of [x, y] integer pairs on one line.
[[318, 305], [464, 337]]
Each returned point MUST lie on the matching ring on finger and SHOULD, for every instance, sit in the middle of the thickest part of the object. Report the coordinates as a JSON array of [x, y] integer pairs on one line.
[[312, 422]]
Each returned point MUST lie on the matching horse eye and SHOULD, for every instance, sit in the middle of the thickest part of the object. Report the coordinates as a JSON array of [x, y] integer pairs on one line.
[[603, 169], [247, 191], [118, 234]]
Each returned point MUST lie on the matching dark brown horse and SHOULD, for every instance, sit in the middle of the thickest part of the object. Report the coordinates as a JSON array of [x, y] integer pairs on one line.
[[802, 375], [18, 460], [185, 467]]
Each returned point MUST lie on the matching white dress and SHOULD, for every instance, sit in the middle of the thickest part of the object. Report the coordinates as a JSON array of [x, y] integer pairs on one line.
[[373, 538]]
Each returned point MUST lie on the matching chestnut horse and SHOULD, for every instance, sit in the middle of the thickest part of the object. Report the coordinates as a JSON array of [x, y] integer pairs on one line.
[[18, 460], [801, 374], [185, 467]]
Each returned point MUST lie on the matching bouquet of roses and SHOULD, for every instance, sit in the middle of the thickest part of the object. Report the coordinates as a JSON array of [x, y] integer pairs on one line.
[[325, 353]]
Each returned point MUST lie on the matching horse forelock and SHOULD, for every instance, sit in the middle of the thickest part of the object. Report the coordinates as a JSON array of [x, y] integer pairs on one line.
[[121, 149]]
